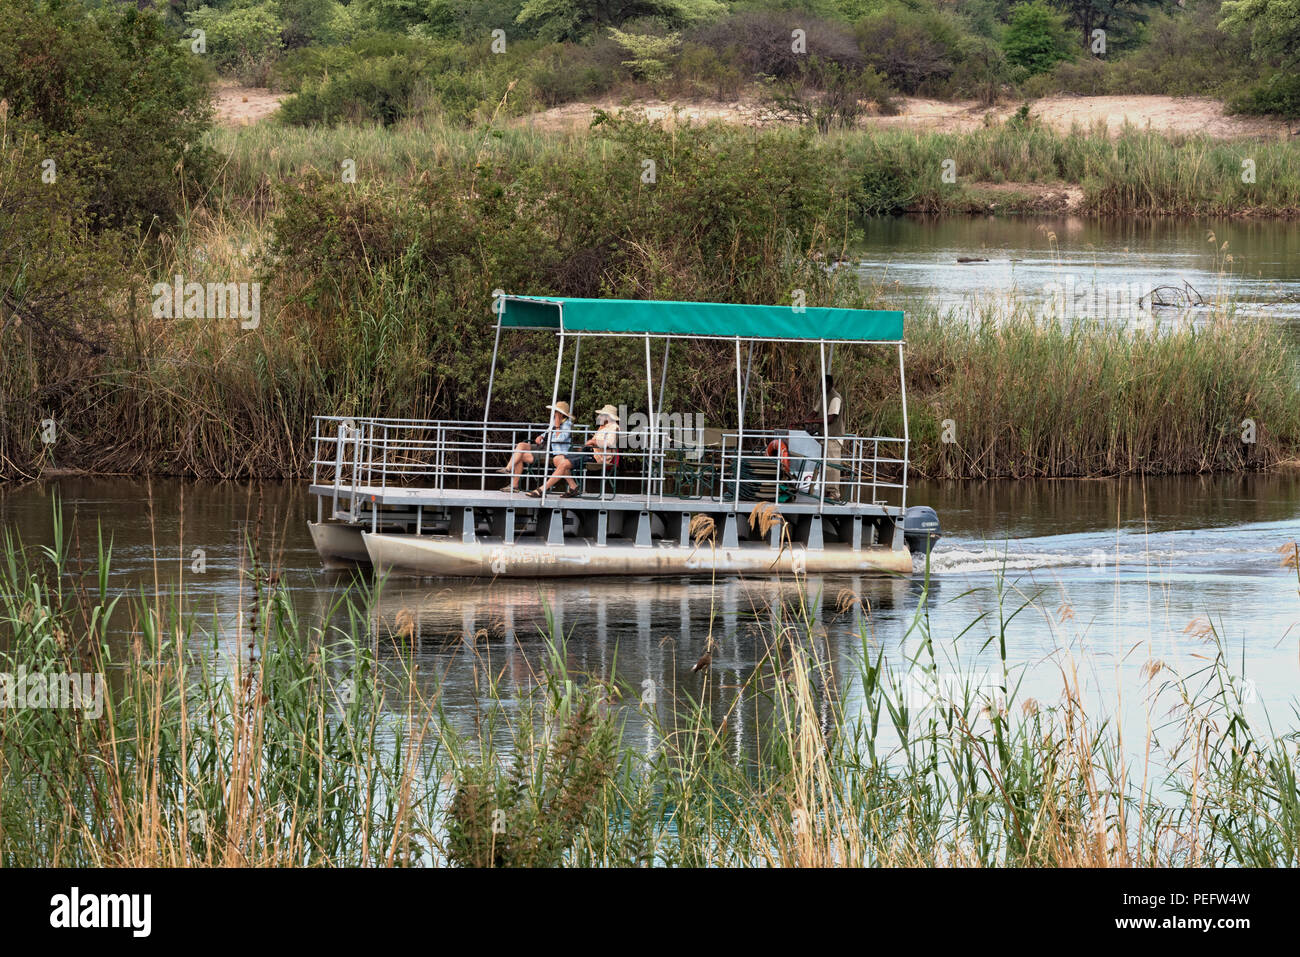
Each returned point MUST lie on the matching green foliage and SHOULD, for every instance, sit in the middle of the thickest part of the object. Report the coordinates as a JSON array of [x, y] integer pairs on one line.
[[1036, 38], [244, 39], [916, 47], [648, 55], [827, 95], [1185, 54], [1279, 95], [575, 19], [117, 103], [1272, 25], [1121, 20], [58, 273]]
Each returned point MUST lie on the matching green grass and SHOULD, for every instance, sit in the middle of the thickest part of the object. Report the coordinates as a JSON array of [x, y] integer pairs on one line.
[[1137, 172]]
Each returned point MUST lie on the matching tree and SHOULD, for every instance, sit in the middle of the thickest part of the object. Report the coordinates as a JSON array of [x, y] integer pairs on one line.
[[246, 39], [912, 47], [648, 55], [1272, 25], [575, 19], [1036, 37], [1120, 19], [117, 101]]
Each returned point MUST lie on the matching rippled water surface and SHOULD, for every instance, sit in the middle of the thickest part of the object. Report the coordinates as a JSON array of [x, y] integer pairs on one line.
[[1098, 578]]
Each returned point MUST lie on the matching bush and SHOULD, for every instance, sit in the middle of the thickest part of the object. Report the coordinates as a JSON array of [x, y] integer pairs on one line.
[[704, 71], [1278, 95], [242, 40], [1186, 55], [373, 89], [917, 49], [760, 42], [118, 103], [564, 72], [1036, 38], [828, 96]]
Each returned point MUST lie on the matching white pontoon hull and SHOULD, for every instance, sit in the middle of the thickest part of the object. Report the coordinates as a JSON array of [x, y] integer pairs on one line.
[[338, 544], [440, 557]]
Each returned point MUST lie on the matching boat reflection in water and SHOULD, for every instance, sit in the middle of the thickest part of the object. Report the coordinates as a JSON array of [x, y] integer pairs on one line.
[[646, 635]]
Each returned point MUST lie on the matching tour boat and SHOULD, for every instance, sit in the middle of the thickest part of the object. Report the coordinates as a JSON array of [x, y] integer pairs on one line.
[[673, 496]]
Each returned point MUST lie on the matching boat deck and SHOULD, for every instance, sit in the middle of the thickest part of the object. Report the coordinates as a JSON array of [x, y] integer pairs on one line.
[[488, 498]]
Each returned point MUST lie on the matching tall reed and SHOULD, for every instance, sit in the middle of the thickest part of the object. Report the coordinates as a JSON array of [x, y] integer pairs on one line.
[[291, 746]]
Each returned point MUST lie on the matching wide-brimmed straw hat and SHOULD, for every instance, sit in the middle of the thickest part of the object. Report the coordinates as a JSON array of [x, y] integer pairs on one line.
[[610, 411], [562, 408]]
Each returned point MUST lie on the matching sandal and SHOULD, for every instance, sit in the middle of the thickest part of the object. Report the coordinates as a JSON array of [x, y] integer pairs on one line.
[[535, 493], [570, 492], [509, 488]]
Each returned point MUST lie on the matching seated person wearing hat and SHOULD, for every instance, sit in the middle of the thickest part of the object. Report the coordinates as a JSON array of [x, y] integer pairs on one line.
[[557, 439], [601, 442]]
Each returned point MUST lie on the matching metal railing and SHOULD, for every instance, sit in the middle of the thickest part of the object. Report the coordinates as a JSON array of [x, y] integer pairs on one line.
[[360, 456]]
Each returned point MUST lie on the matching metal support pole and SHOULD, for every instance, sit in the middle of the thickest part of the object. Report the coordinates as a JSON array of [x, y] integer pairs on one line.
[[826, 427], [749, 365], [663, 387], [487, 404], [740, 432], [573, 389], [650, 429], [555, 397], [907, 436]]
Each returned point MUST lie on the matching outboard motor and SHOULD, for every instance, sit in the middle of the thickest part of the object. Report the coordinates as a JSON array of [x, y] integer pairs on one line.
[[921, 529]]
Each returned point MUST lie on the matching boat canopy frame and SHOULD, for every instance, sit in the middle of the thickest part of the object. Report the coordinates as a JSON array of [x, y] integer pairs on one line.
[[705, 321]]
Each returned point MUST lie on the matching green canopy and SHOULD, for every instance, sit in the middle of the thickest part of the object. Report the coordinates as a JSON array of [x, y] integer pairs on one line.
[[706, 320]]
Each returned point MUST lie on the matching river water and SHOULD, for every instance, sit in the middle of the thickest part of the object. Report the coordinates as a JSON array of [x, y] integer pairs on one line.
[[1120, 579], [1114, 574], [1254, 265]]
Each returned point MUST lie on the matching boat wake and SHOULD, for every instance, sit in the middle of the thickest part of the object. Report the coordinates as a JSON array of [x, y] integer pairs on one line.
[[1235, 549]]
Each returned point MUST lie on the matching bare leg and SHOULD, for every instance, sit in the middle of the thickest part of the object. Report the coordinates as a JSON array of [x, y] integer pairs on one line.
[[562, 469], [517, 463], [521, 457]]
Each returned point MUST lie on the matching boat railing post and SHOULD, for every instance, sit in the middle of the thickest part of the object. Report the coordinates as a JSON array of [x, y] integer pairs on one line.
[[875, 464], [383, 472], [339, 446], [439, 456]]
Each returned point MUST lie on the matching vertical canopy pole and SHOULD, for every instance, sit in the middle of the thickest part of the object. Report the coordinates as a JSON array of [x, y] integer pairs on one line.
[[650, 427], [749, 365], [555, 397], [826, 426], [492, 373], [487, 405], [907, 436], [740, 432], [573, 389], [663, 388]]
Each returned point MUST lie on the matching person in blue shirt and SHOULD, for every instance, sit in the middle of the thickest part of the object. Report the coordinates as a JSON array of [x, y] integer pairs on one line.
[[558, 438]]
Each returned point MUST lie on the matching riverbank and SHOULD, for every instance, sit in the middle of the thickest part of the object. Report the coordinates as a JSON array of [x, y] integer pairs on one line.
[[374, 249], [1011, 395], [1013, 164]]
